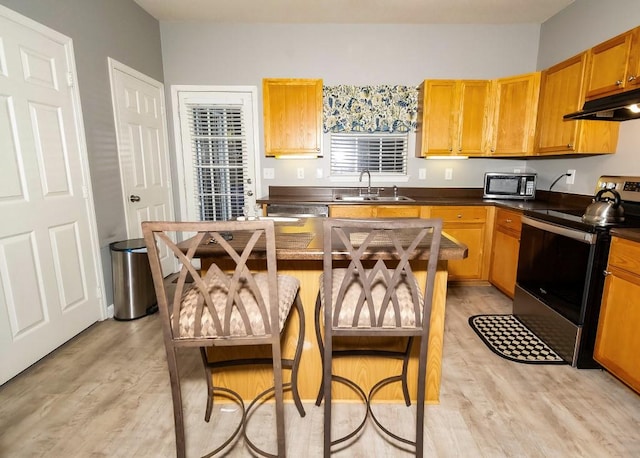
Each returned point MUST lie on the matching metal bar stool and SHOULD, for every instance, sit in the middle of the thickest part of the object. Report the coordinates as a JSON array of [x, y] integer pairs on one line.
[[376, 295], [225, 307]]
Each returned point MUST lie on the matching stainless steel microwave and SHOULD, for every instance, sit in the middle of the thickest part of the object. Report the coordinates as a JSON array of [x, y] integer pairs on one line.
[[499, 185]]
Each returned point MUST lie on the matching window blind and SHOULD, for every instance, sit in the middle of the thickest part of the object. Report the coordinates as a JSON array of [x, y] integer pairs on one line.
[[352, 153], [219, 147]]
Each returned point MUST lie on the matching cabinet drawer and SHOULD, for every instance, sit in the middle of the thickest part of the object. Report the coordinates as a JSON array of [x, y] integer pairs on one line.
[[625, 255], [460, 214], [509, 221], [397, 211]]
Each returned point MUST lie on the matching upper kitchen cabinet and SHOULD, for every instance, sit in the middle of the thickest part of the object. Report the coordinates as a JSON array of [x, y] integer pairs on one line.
[[614, 65], [452, 118], [292, 116], [562, 92], [513, 125]]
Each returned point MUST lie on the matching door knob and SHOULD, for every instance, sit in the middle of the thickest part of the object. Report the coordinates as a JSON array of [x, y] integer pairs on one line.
[[134, 198]]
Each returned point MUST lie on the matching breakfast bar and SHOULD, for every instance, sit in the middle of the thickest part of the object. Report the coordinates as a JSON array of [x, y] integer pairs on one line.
[[299, 253]]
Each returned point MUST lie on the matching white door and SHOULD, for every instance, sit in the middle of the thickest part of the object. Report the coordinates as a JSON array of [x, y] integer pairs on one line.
[[217, 143], [138, 105], [50, 278]]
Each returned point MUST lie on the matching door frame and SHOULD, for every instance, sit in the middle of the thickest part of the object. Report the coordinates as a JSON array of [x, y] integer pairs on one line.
[[113, 66], [175, 113]]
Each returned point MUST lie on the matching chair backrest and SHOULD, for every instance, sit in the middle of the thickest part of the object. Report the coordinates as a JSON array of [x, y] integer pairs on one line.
[[225, 298], [368, 274]]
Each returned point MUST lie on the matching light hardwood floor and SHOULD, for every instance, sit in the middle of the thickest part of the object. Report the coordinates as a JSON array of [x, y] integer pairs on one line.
[[106, 394]]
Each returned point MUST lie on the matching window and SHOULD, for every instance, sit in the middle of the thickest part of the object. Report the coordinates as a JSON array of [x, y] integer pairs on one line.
[[379, 153], [219, 151], [218, 154]]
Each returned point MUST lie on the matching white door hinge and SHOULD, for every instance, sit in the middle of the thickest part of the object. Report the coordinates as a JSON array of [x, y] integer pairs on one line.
[[69, 79], [85, 192]]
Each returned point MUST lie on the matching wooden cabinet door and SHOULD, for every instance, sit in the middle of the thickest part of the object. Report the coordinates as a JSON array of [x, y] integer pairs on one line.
[[514, 116], [473, 118], [560, 93], [505, 250], [292, 116], [618, 340], [633, 68], [609, 66], [438, 116], [468, 226], [504, 262]]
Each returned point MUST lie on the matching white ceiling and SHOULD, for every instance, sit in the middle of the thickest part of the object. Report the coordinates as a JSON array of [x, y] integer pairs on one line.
[[356, 11]]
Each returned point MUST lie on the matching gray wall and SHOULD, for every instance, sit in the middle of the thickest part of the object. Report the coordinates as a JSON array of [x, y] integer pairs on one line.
[[582, 25], [242, 54], [99, 29]]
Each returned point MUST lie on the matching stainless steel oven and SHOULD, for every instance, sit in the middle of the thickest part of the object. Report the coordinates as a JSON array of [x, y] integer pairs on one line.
[[559, 286], [560, 275]]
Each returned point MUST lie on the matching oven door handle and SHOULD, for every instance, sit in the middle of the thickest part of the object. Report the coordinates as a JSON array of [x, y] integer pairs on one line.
[[581, 236]]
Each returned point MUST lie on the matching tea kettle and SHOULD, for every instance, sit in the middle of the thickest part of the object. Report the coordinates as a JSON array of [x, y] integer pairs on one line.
[[604, 210]]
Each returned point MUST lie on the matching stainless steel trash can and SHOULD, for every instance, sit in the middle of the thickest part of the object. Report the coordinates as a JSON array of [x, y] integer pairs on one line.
[[133, 292]]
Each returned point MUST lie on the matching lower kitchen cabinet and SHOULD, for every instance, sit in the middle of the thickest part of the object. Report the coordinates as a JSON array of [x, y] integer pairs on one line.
[[618, 340], [505, 248], [467, 224]]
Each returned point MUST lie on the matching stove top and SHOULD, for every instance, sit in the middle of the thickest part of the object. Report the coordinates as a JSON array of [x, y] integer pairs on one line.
[[627, 186]]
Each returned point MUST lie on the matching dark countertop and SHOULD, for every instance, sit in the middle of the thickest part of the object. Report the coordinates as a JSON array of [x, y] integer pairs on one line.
[[301, 240], [629, 234], [423, 196]]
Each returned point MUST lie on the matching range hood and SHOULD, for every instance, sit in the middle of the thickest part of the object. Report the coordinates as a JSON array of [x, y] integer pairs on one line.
[[617, 107]]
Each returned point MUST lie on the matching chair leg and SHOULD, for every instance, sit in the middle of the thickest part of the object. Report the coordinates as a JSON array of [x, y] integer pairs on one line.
[[326, 384], [277, 379], [405, 368], [207, 376], [422, 369], [176, 395], [316, 320], [296, 359]]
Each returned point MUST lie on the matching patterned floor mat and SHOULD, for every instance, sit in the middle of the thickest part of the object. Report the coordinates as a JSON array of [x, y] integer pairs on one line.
[[506, 336]]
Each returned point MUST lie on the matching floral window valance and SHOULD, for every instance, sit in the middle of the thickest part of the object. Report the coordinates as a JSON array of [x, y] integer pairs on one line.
[[370, 108]]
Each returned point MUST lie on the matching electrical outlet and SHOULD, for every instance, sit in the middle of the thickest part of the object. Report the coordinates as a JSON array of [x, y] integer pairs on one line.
[[300, 173], [422, 174], [448, 174], [268, 173], [319, 173], [571, 176]]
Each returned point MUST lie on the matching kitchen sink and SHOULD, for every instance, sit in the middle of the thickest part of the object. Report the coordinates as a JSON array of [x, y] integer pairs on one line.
[[373, 199]]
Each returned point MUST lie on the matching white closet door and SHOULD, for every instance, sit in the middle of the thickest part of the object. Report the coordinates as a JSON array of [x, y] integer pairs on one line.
[[50, 279]]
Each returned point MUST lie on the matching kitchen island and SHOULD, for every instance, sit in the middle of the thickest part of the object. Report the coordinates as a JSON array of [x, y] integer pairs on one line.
[[299, 253]]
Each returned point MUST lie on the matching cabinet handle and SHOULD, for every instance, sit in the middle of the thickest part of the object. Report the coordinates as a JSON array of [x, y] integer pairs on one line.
[[619, 83], [632, 78], [508, 220], [569, 145], [459, 216], [606, 273], [450, 148]]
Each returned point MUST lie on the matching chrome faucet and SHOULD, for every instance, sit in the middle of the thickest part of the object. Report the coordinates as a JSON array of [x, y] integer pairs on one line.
[[369, 175]]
